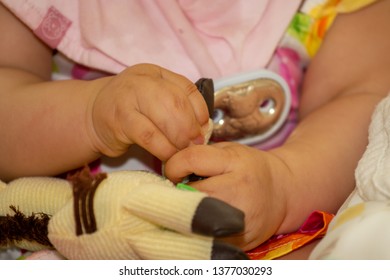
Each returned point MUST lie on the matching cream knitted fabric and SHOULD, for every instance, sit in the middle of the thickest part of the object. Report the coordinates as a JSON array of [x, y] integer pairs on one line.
[[134, 225], [372, 173], [139, 215]]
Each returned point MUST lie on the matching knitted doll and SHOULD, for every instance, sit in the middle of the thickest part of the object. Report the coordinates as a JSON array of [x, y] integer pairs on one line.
[[120, 215]]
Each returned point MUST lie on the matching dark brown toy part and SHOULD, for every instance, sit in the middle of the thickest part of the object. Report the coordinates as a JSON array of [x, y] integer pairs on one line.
[[224, 251], [206, 88], [216, 218], [18, 227], [84, 188]]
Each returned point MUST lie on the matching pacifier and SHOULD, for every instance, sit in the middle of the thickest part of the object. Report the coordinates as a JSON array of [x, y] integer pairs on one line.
[[249, 108]]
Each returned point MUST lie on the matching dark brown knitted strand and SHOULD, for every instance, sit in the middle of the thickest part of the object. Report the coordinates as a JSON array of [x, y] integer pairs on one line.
[[20, 227], [84, 188]]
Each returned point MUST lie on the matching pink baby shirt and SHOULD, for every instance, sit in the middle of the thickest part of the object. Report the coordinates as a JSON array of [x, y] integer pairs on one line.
[[196, 38]]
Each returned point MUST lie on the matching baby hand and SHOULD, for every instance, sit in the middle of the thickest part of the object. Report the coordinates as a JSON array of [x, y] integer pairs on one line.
[[244, 177], [159, 110]]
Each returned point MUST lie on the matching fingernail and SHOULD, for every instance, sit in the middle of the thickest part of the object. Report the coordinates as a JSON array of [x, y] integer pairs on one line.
[[207, 130], [198, 140]]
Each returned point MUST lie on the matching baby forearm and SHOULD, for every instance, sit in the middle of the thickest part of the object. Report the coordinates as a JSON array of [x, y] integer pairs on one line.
[[46, 131], [322, 155], [347, 78]]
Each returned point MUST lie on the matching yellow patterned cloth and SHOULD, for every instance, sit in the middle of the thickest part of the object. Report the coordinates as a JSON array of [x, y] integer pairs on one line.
[[309, 26]]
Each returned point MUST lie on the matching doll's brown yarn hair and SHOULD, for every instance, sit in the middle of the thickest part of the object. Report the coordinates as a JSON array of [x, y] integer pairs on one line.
[[18, 227]]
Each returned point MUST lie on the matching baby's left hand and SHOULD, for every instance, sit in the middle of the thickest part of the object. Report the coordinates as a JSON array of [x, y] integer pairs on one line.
[[244, 177]]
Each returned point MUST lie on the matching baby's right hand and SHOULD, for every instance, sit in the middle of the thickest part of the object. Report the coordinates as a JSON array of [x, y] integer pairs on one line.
[[159, 110]]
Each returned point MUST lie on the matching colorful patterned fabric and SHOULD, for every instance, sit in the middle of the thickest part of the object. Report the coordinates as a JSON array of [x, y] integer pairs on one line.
[[314, 228]]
